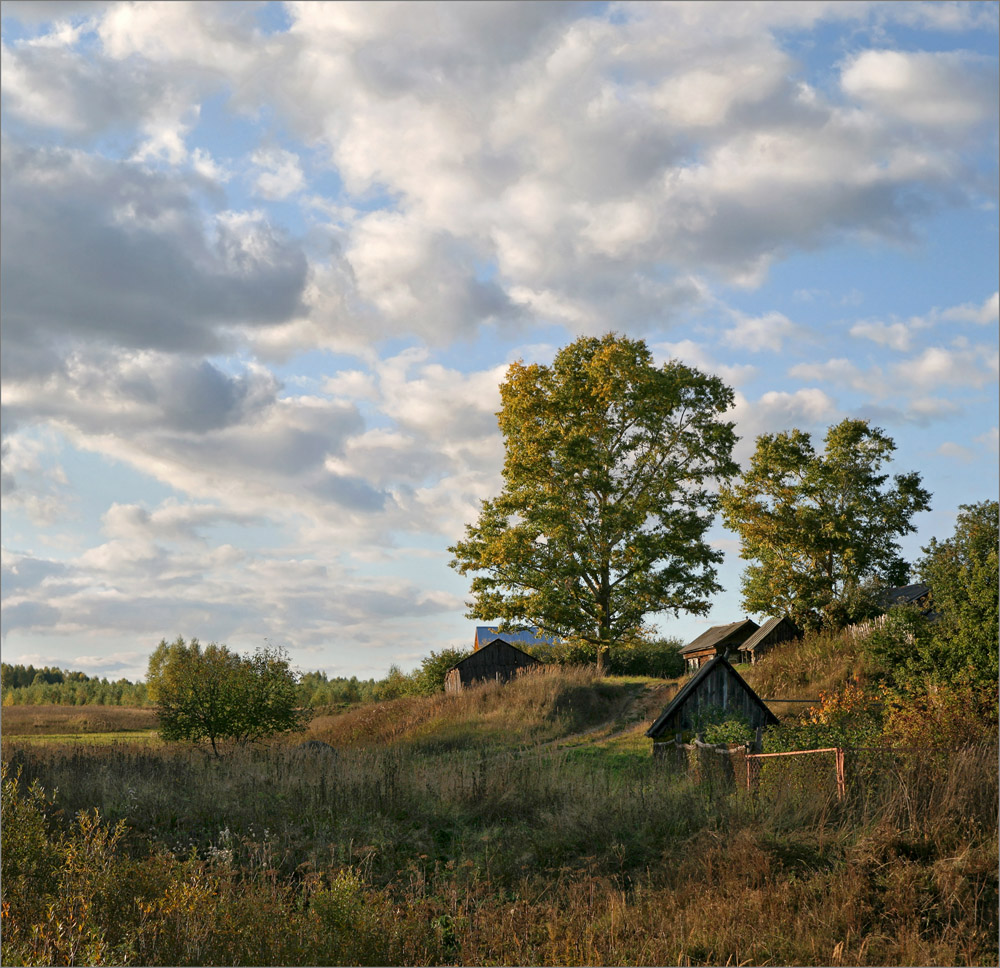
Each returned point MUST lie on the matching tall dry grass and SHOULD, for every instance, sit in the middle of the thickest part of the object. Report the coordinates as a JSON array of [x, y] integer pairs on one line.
[[409, 851], [819, 662]]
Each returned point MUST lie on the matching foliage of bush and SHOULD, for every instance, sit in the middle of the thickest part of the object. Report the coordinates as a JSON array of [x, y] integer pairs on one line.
[[658, 658], [212, 693]]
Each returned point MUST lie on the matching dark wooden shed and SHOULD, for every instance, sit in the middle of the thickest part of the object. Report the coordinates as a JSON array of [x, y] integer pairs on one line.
[[716, 641], [496, 661], [716, 686], [773, 631]]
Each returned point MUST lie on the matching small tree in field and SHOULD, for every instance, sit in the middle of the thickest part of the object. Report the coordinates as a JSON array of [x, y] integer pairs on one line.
[[212, 693]]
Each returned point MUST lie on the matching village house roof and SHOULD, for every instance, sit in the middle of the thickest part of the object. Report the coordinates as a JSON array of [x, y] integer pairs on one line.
[[498, 652], [718, 634], [691, 687], [905, 595], [762, 633], [488, 633]]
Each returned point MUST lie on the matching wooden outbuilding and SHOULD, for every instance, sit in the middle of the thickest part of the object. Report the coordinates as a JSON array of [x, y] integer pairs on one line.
[[773, 631], [717, 641], [716, 687], [917, 595], [497, 661]]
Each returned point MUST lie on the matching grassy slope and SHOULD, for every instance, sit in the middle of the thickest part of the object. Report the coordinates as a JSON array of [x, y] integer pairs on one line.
[[524, 824]]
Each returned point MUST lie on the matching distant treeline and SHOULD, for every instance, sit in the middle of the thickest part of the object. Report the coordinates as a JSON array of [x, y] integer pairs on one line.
[[48, 686], [29, 686]]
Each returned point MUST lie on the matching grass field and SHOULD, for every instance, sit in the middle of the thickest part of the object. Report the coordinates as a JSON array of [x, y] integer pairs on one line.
[[524, 824], [74, 720]]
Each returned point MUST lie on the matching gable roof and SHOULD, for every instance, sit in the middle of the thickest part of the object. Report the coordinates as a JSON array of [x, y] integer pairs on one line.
[[692, 685], [497, 645], [763, 632], [488, 633], [904, 594], [717, 635]]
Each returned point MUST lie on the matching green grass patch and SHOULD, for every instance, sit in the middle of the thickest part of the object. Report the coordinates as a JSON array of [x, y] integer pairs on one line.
[[143, 736]]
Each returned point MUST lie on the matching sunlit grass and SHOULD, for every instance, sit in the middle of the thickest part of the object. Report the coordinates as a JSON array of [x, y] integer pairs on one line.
[[145, 737]]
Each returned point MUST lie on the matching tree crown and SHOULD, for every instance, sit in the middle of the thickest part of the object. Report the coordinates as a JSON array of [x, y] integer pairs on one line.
[[608, 471]]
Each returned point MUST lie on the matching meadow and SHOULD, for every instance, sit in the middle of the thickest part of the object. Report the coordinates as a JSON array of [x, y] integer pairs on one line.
[[525, 824]]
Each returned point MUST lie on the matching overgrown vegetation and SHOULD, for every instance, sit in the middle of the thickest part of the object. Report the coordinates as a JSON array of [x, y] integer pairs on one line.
[[420, 841]]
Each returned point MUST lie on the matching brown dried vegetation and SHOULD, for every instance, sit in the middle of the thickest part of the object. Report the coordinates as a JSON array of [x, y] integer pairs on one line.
[[452, 831]]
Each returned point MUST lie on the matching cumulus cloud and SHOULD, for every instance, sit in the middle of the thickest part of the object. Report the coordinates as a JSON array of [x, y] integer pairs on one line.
[[989, 440], [696, 354], [767, 332], [839, 371], [128, 260], [951, 89], [278, 173], [984, 314], [808, 409], [940, 366]]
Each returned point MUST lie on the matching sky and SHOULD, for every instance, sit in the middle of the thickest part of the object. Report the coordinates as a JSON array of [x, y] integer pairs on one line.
[[264, 266]]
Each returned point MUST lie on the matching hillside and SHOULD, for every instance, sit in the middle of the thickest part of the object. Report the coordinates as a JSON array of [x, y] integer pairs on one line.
[[548, 707]]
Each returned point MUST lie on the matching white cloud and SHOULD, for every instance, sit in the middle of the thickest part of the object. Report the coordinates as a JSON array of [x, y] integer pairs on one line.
[[897, 336], [951, 89], [989, 440], [696, 355], [984, 314], [939, 366], [777, 410], [954, 451], [279, 173], [767, 332], [839, 371]]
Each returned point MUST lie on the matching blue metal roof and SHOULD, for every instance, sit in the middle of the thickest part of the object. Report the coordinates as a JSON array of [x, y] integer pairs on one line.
[[487, 633]]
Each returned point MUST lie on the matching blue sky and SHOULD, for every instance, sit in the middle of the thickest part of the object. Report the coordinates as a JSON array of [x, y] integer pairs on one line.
[[264, 266]]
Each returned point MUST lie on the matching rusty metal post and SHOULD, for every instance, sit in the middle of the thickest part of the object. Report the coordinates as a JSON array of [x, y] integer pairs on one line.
[[841, 785]]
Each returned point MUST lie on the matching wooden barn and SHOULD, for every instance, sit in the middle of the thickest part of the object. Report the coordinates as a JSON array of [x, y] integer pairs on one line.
[[917, 595], [773, 631], [716, 686], [497, 661], [717, 641]]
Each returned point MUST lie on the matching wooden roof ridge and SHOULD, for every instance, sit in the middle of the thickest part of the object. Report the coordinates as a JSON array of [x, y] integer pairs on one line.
[[489, 645], [715, 635], [692, 684], [765, 630]]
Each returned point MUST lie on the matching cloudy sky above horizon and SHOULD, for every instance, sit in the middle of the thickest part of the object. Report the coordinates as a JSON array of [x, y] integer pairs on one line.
[[264, 266]]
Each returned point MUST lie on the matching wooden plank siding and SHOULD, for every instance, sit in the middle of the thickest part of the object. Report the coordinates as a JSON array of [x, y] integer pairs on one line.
[[497, 661], [716, 686]]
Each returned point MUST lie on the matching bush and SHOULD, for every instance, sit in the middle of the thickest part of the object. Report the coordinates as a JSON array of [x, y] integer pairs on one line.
[[215, 694], [658, 658]]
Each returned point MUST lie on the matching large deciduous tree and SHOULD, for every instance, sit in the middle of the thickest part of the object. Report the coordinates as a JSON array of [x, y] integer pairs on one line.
[[609, 477], [212, 693], [821, 529], [962, 572]]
